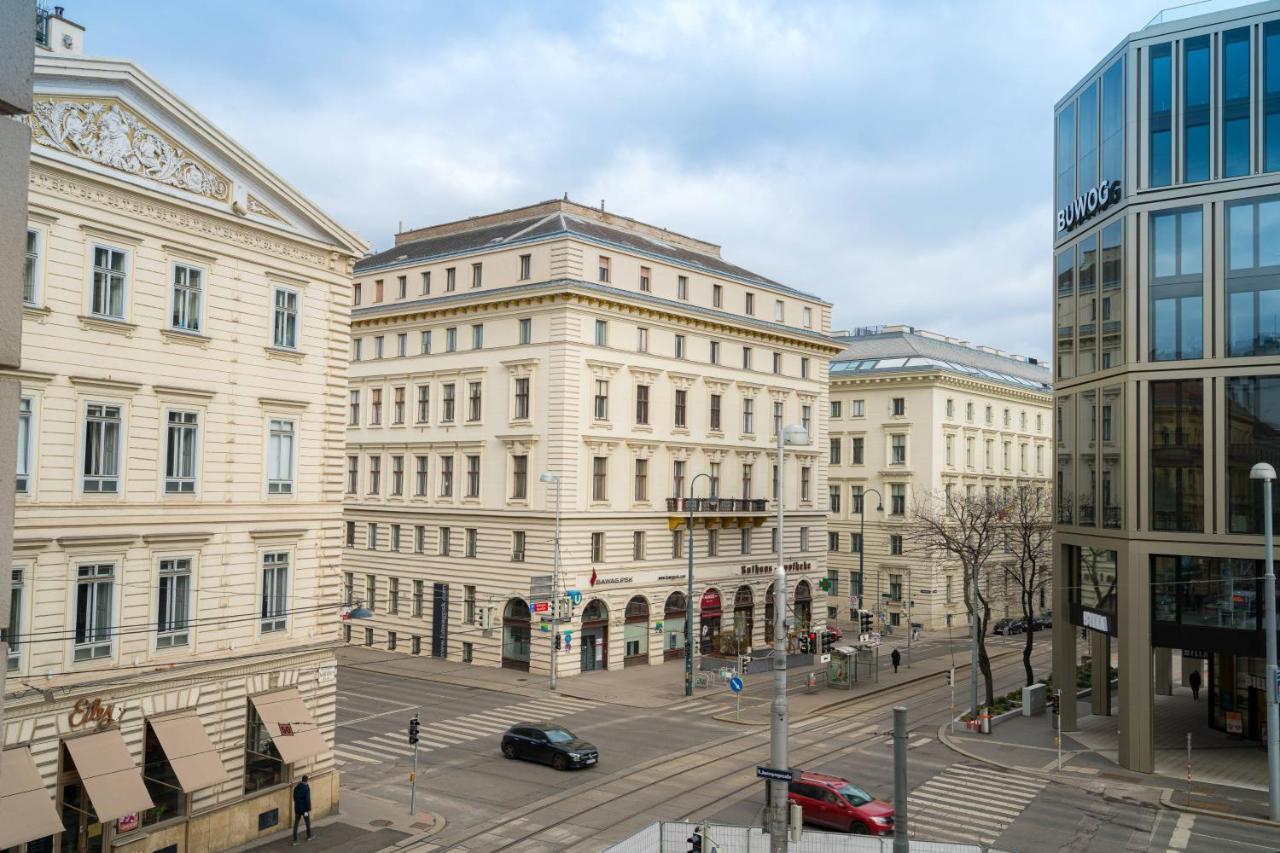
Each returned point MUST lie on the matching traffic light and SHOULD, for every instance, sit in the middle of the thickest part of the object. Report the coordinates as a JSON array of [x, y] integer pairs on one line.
[[864, 621], [413, 730], [827, 641], [695, 840], [557, 641], [1056, 702]]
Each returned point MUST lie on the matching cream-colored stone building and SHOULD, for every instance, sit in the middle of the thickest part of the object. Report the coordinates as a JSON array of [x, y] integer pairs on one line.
[[624, 359], [914, 414], [176, 566]]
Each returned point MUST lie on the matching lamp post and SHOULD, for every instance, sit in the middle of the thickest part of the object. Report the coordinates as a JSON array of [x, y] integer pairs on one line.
[[792, 435], [1264, 472], [862, 542], [688, 602], [547, 477]]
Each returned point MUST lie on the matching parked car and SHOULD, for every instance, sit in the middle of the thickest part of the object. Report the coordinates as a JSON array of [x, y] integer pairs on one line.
[[839, 804], [1008, 627], [1043, 621], [548, 744]]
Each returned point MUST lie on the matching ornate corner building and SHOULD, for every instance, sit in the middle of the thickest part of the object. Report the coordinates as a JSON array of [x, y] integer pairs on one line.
[[178, 510]]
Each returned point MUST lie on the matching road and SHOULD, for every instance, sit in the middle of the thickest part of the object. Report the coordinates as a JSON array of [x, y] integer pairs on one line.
[[677, 763]]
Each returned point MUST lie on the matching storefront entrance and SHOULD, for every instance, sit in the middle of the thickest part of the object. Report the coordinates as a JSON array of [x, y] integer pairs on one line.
[[635, 633], [593, 648], [515, 635], [1237, 695], [804, 607], [743, 620], [709, 633], [673, 619]]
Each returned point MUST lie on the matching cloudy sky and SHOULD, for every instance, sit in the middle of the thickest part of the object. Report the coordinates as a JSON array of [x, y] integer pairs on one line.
[[892, 157]]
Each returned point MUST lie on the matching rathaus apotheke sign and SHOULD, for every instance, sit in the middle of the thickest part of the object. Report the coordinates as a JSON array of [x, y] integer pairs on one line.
[[1088, 205]]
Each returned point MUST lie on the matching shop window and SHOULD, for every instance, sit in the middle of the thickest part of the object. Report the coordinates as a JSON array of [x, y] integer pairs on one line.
[[162, 783], [263, 766], [1177, 455]]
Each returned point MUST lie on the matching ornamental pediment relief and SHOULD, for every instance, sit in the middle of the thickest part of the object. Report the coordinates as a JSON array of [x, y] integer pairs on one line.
[[105, 131]]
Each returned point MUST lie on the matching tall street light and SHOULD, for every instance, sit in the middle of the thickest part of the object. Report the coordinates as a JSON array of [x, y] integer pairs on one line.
[[1264, 472], [688, 602], [788, 435], [862, 542], [547, 477]]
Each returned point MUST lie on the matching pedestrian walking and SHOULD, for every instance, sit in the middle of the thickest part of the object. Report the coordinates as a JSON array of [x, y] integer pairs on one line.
[[1194, 681], [301, 808], [896, 657]]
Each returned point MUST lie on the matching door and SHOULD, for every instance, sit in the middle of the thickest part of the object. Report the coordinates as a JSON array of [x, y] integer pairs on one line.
[[83, 833], [440, 620], [539, 747], [587, 652]]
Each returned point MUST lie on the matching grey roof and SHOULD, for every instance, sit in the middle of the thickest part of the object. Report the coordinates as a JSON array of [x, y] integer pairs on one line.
[[906, 351], [521, 231]]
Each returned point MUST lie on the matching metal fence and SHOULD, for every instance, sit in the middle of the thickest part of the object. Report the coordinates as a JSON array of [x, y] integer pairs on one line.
[[673, 837]]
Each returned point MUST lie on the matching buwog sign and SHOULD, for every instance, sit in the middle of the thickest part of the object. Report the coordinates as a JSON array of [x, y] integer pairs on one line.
[[1088, 205]]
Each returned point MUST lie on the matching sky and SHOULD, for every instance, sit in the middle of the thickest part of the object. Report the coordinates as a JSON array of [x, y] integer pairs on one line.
[[893, 158]]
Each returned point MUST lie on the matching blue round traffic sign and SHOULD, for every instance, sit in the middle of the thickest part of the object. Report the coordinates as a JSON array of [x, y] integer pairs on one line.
[[735, 684]]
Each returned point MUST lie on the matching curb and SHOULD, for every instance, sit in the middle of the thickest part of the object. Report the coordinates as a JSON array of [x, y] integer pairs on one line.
[[1166, 800], [439, 826], [915, 680]]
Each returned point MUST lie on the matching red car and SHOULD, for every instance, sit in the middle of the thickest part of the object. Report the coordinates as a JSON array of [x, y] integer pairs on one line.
[[838, 804]]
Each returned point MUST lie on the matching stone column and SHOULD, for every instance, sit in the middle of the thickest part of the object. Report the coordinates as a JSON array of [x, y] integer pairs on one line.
[[1100, 655], [1164, 672], [1064, 641], [1137, 697]]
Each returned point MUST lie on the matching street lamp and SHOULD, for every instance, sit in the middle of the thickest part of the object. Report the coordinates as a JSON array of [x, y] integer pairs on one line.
[[788, 435], [547, 477], [1264, 472], [688, 602], [862, 542]]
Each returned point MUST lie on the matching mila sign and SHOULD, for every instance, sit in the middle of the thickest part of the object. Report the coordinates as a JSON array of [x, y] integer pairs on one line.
[[1090, 204]]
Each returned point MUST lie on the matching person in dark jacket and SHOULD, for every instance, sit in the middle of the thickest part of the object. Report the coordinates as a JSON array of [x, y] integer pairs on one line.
[[1194, 681], [896, 657], [301, 807]]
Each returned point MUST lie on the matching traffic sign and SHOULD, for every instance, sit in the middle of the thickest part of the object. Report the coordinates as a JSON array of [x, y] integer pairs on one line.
[[574, 595], [824, 658], [770, 773], [541, 606], [735, 684]]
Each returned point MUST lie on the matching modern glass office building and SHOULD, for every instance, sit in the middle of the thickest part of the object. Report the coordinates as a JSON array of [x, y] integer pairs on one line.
[[1167, 362]]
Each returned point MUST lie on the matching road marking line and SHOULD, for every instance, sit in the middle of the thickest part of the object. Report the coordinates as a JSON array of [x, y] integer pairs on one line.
[[925, 740], [1181, 835], [353, 756], [383, 751], [1006, 783], [948, 830], [475, 730], [970, 794], [402, 742], [944, 803]]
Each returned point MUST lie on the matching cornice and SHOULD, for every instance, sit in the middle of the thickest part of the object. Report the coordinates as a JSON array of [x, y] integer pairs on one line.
[[998, 389]]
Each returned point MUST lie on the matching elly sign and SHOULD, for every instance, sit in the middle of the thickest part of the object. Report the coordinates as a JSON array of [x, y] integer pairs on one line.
[[1088, 204], [91, 712]]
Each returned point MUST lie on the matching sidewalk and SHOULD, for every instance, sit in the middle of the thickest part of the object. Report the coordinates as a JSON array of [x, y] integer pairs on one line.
[[1224, 770], [365, 824]]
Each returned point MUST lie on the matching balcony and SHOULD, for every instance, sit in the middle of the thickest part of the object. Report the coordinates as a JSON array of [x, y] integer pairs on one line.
[[717, 512]]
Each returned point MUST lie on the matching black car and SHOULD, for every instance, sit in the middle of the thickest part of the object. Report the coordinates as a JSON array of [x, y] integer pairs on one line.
[[548, 744], [1008, 627]]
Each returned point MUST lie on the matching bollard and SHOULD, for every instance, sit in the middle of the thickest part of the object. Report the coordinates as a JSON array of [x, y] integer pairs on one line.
[[984, 719]]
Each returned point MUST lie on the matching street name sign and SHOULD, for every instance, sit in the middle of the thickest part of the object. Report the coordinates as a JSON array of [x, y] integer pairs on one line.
[[770, 773]]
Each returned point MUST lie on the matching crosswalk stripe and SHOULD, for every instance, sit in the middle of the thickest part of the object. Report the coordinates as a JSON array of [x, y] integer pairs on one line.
[[1002, 779], [352, 756], [504, 720], [475, 729], [983, 800], [381, 753], [965, 816], [396, 750], [563, 703], [397, 742], [946, 830]]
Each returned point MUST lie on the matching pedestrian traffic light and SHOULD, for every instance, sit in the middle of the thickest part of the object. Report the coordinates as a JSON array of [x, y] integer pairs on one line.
[[695, 840], [413, 730], [1056, 703]]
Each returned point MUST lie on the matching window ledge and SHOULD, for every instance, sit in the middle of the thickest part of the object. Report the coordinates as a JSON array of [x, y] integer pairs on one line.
[[284, 354], [715, 433], [104, 324], [39, 313], [523, 422], [178, 336]]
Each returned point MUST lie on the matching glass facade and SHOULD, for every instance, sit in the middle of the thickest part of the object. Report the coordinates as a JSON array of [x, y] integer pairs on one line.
[[1093, 578], [1087, 459], [1235, 103], [1206, 592], [1066, 284], [1111, 298], [1271, 96], [1177, 455], [1253, 435], [1066, 469], [1087, 306], [1160, 116], [1177, 285], [1195, 109], [1111, 449], [1113, 122], [1253, 277]]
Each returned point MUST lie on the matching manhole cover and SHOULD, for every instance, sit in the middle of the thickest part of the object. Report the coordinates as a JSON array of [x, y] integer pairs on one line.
[[380, 822], [522, 680]]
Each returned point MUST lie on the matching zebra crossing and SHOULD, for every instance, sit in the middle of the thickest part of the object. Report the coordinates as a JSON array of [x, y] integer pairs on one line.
[[704, 707], [969, 804], [394, 746]]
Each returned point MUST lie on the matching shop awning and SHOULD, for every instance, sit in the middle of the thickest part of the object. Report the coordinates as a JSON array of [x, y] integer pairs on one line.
[[109, 776], [289, 724], [26, 809], [190, 752]]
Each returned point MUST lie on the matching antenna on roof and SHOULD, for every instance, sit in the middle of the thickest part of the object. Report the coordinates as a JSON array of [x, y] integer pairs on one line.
[[602, 205], [400, 227], [566, 195]]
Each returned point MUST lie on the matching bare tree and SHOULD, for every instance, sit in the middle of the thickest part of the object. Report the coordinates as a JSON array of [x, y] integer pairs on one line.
[[1027, 534], [967, 530]]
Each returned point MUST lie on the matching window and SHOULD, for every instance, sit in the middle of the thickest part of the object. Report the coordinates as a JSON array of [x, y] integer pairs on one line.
[[857, 450], [898, 499], [285, 328], [833, 498], [990, 415], [1160, 116], [426, 342], [748, 469], [1235, 102], [898, 450], [949, 448], [102, 448], [645, 280], [748, 416], [895, 587], [450, 279], [777, 417], [173, 605], [990, 457], [779, 311], [180, 453], [1177, 445], [446, 476], [602, 333], [349, 539], [717, 296], [746, 358], [397, 405], [637, 545], [681, 408], [773, 540], [680, 346], [12, 634], [468, 605], [604, 269], [391, 641], [857, 408], [642, 404], [402, 345], [477, 275], [526, 267], [473, 401], [447, 402], [473, 476], [951, 408], [773, 481], [473, 536], [415, 643], [393, 592], [597, 547], [187, 282], [642, 339], [835, 408], [713, 542], [677, 544], [377, 291], [477, 336], [31, 267], [1253, 278], [377, 346], [371, 536], [402, 286], [368, 636], [855, 499], [451, 339], [522, 399], [895, 545], [1271, 95], [855, 547], [419, 541], [749, 304], [599, 478], [715, 352], [424, 404], [682, 287], [426, 282], [1195, 108], [804, 367], [375, 474], [446, 541], [354, 418], [777, 362], [517, 546], [108, 283], [744, 541], [806, 484], [601, 409], [714, 411], [678, 467], [371, 591], [275, 591], [420, 476], [806, 418], [804, 539], [526, 331], [968, 452], [397, 476], [1253, 419], [519, 477], [355, 293], [642, 480], [1176, 286]]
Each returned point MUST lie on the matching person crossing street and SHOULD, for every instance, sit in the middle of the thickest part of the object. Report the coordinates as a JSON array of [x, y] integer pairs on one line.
[[896, 658]]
